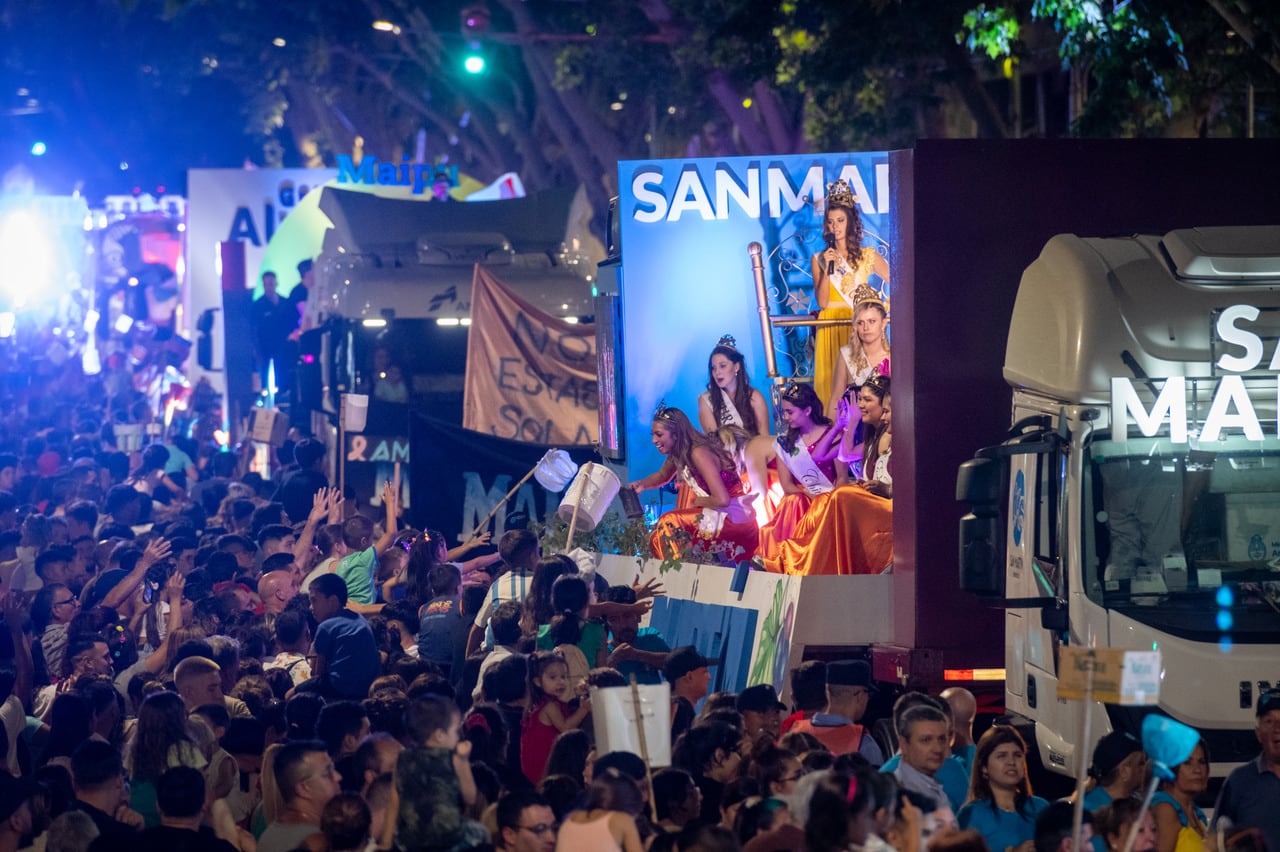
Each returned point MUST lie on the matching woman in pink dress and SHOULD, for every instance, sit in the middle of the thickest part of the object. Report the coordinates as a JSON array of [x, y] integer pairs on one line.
[[720, 517]]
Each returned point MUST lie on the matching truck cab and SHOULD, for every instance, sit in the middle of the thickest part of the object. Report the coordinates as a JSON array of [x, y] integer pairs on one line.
[[1135, 502]]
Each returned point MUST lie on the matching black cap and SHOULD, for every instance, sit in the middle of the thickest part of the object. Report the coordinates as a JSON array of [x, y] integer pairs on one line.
[[1111, 751], [760, 698], [1268, 701], [13, 792], [683, 660], [851, 673]]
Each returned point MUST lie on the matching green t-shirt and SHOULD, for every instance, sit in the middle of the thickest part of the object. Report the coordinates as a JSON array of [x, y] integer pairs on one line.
[[357, 570], [591, 641]]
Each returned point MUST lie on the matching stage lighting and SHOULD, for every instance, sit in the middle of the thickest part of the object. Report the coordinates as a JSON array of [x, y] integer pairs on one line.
[[474, 62], [39, 149], [26, 258], [7, 323]]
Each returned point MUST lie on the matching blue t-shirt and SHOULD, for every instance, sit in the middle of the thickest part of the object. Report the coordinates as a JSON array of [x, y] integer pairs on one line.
[[951, 775], [647, 639], [442, 633], [1002, 829], [350, 653], [1096, 799]]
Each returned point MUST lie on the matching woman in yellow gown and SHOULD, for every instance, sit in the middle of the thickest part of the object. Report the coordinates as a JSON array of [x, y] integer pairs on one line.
[[838, 273]]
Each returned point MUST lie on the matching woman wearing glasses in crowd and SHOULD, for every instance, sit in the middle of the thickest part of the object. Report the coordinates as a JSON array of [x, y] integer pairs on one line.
[[806, 455], [849, 530], [719, 515]]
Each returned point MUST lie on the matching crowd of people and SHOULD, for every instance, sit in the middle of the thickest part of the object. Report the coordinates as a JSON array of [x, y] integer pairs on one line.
[[199, 657]]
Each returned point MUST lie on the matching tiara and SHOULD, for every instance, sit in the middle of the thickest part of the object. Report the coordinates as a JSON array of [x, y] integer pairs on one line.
[[839, 194], [663, 411], [728, 341], [865, 294]]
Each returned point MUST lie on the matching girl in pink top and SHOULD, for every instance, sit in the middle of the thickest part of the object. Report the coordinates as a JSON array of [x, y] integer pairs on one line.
[[549, 712]]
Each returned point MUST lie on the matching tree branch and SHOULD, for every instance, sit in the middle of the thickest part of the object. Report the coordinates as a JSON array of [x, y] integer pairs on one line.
[[1262, 43]]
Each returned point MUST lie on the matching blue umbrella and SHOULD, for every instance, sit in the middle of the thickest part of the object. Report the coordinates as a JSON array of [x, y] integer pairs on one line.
[[1167, 743]]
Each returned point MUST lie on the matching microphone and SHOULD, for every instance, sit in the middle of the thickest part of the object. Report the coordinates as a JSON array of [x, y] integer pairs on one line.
[[831, 264]]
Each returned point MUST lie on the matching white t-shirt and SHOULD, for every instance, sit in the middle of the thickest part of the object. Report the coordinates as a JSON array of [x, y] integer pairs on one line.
[[511, 586]]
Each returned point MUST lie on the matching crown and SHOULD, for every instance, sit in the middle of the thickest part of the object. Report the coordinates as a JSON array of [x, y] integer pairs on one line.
[[840, 194], [728, 341], [663, 411], [865, 294]]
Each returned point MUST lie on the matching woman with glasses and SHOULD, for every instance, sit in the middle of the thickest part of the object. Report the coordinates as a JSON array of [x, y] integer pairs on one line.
[[806, 455], [849, 530], [720, 518]]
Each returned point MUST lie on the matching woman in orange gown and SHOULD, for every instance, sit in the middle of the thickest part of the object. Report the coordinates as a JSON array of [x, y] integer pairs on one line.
[[720, 517], [806, 462], [849, 530]]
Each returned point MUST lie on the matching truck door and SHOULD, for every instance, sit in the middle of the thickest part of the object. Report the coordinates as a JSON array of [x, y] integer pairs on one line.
[[1033, 571]]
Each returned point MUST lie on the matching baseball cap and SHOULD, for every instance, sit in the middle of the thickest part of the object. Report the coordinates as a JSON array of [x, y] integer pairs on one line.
[[760, 698], [1111, 750], [683, 660], [851, 673], [1268, 701]]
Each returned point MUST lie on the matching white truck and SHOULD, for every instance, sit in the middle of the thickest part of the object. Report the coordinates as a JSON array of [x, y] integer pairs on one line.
[[1135, 502]]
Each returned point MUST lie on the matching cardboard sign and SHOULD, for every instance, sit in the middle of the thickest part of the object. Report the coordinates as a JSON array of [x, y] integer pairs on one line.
[[613, 710], [1119, 677]]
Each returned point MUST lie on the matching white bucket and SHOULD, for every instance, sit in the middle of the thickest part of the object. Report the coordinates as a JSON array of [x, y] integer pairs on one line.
[[555, 469], [595, 486], [356, 411], [613, 711]]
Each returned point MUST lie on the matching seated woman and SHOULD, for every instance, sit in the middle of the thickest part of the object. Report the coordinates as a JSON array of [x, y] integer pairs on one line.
[[849, 530], [719, 516], [756, 459], [807, 467], [729, 399], [867, 351]]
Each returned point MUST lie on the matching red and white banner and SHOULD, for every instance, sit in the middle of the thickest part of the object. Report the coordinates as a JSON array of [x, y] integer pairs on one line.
[[530, 376]]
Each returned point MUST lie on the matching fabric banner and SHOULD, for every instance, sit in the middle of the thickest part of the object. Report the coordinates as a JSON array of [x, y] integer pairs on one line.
[[458, 476], [530, 376]]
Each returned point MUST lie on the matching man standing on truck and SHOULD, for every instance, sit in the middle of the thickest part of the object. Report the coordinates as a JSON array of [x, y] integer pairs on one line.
[[1251, 794], [849, 688], [273, 319]]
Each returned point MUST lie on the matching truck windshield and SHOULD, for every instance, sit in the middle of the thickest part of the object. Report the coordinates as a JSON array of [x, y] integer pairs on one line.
[[1186, 540]]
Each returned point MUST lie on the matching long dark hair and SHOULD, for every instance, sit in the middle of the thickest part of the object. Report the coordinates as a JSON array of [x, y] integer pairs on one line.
[[802, 396], [741, 393], [879, 387], [424, 554], [853, 236], [569, 596], [980, 784], [537, 604], [162, 724], [687, 438]]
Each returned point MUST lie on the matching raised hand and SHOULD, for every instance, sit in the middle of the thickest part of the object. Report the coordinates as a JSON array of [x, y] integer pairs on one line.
[[157, 550], [319, 506], [651, 589], [336, 502]]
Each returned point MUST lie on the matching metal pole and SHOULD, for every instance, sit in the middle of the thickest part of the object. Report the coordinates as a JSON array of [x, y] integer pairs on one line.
[[762, 306]]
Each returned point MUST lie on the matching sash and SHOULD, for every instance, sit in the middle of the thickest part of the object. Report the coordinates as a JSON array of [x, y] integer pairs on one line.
[[731, 417], [845, 280], [805, 469], [712, 520]]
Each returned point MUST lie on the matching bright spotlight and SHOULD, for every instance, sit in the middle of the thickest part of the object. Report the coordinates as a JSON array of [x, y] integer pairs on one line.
[[474, 64], [39, 149], [123, 323], [26, 258], [7, 322]]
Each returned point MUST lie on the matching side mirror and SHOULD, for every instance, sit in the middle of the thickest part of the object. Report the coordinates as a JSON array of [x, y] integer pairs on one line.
[[980, 484], [1055, 619]]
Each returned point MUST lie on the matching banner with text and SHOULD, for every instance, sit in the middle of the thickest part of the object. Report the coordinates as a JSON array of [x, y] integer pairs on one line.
[[530, 376], [458, 476]]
